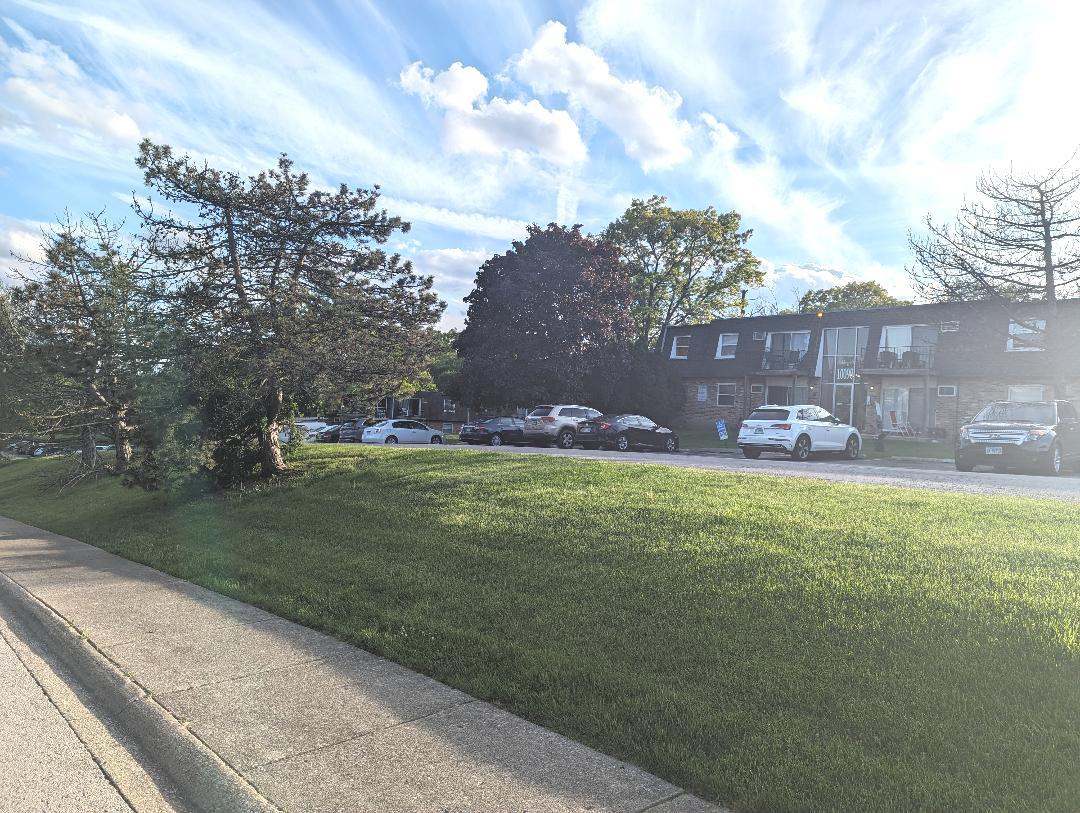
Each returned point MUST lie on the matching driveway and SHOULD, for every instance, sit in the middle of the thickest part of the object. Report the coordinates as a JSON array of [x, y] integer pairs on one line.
[[939, 475]]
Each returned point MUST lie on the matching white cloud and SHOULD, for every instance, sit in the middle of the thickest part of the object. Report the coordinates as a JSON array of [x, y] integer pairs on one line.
[[645, 118], [19, 239], [454, 271], [48, 101], [502, 228], [457, 88], [474, 125]]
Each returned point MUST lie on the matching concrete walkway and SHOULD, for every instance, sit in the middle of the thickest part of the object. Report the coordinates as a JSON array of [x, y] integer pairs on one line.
[[307, 722]]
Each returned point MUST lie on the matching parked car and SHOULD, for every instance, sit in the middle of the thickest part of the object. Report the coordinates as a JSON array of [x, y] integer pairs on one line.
[[494, 431], [798, 430], [1039, 435], [401, 430], [330, 434], [558, 424], [626, 432], [353, 431]]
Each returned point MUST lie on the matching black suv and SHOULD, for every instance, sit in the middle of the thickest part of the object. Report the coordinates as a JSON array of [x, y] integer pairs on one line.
[[1039, 435]]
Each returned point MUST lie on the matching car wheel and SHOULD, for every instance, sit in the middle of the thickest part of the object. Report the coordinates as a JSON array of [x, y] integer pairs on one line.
[[390, 439], [753, 454], [851, 448], [1052, 464], [496, 440], [965, 466], [436, 439], [671, 445], [801, 450], [566, 439], [622, 443]]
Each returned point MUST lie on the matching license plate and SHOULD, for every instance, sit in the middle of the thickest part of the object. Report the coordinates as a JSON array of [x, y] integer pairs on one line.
[[585, 429], [759, 431], [994, 450]]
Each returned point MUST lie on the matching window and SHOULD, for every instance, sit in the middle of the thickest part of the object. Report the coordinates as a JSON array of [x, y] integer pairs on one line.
[[784, 351], [769, 415], [759, 335], [950, 327], [1026, 335], [592, 413], [1026, 392], [572, 412], [725, 347], [539, 411], [1066, 411], [757, 389], [449, 405], [703, 392], [680, 347], [725, 393], [946, 390]]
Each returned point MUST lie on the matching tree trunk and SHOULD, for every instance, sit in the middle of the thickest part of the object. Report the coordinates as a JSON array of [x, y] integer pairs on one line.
[[122, 441], [89, 448], [272, 461], [1053, 335]]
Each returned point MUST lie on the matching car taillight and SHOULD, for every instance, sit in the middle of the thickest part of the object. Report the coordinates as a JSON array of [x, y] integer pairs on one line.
[[780, 426], [605, 426], [548, 419]]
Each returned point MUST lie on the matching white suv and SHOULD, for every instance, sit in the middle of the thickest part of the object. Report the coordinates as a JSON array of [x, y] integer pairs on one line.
[[547, 424], [797, 430]]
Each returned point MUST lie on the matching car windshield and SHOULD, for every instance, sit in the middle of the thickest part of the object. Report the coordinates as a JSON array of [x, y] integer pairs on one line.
[[540, 410], [768, 415], [1018, 411]]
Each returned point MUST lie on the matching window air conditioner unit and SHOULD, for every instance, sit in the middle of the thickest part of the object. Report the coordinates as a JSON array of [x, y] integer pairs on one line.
[[950, 327], [759, 335], [946, 390]]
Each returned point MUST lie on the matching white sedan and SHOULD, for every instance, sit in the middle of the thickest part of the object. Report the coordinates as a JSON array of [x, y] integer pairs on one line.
[[797, 430], [401, 430]]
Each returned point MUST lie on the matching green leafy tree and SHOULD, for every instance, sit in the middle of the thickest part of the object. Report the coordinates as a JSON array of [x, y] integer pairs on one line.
[[548, 320], [82, 334], [850, 296], [686, 265], [284, 295]]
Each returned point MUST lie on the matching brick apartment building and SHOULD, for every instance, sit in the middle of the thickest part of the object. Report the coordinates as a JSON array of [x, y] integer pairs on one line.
[[914, 371]]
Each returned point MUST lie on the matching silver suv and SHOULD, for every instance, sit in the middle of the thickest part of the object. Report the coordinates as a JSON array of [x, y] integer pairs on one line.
[[558, 424]]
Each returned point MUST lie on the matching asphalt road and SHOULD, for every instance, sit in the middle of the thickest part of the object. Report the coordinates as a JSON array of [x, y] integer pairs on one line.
[[44, 766], [936, 475]]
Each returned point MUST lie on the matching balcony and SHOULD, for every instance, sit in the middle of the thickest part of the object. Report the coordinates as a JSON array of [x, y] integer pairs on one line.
[[901, 359], [781, 360]]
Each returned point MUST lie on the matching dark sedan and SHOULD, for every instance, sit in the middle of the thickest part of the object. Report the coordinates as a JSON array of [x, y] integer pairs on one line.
[[494, 432], [330, 434], [1040, 435], [626, 432]]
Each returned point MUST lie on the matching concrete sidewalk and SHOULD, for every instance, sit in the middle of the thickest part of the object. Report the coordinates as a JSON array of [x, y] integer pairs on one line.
[[311, 723]]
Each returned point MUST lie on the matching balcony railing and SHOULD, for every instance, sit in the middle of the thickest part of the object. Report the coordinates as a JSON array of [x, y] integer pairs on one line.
[[782, 359], [909, 357]]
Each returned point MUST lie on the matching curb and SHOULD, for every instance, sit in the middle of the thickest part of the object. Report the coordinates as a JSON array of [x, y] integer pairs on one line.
[[204, 780]]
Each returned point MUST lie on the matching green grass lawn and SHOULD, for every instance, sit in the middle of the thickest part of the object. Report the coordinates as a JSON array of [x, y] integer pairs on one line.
[[772, 644]]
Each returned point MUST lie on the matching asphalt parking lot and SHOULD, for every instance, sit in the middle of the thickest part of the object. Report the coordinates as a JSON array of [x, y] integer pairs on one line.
[[932, 474]]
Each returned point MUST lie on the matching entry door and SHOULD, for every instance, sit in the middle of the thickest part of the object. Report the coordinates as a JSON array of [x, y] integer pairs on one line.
[[843, 402]]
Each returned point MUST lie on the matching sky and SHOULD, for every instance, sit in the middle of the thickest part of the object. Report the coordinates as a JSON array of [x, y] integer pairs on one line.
[[833, 128]]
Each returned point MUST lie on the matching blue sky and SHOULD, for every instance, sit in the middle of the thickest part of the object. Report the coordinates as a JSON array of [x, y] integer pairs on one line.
[[832, 127]]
